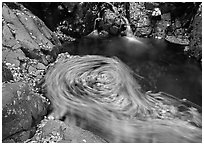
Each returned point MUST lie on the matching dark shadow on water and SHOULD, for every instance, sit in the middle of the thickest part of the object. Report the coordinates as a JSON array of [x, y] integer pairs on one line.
[[161, 65]]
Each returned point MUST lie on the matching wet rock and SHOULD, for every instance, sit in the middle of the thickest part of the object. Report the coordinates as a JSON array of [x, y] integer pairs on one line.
[[6, 73], [22, 109], [50, 131], [181, 19], [41, 66], [12, 56], [8, 141], [111, 22], [158, 20], [21, 136], [139, 17], [148, 19], [79, 19], [30, 71], [92, 16], [174, 33], [196, 36], [24, 35]]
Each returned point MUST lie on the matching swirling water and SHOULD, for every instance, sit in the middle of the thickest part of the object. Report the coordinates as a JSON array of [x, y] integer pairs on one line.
[[102, 91], [103, 94], [162, 66]]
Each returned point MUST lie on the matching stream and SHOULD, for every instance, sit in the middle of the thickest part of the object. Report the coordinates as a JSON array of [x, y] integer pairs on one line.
[[158, 64]]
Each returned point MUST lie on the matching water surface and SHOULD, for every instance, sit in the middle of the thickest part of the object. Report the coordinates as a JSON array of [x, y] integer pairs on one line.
[[161, 66]]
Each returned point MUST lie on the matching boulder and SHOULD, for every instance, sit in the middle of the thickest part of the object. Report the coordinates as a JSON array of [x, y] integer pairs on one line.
[[50, 131], [21, 110], [24, 35]]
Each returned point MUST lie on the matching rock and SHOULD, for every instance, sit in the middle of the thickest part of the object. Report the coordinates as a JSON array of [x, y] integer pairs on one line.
[[177, 40], [139, 17], [196, 36], [41, 66], [21, 136], [22, 109], [6, 73], [12, 56], [8, 141], [24, 35], [57, 131], [31, 69]]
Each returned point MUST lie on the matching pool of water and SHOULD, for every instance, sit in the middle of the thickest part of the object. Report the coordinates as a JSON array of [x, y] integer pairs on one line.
[[159, 65]]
